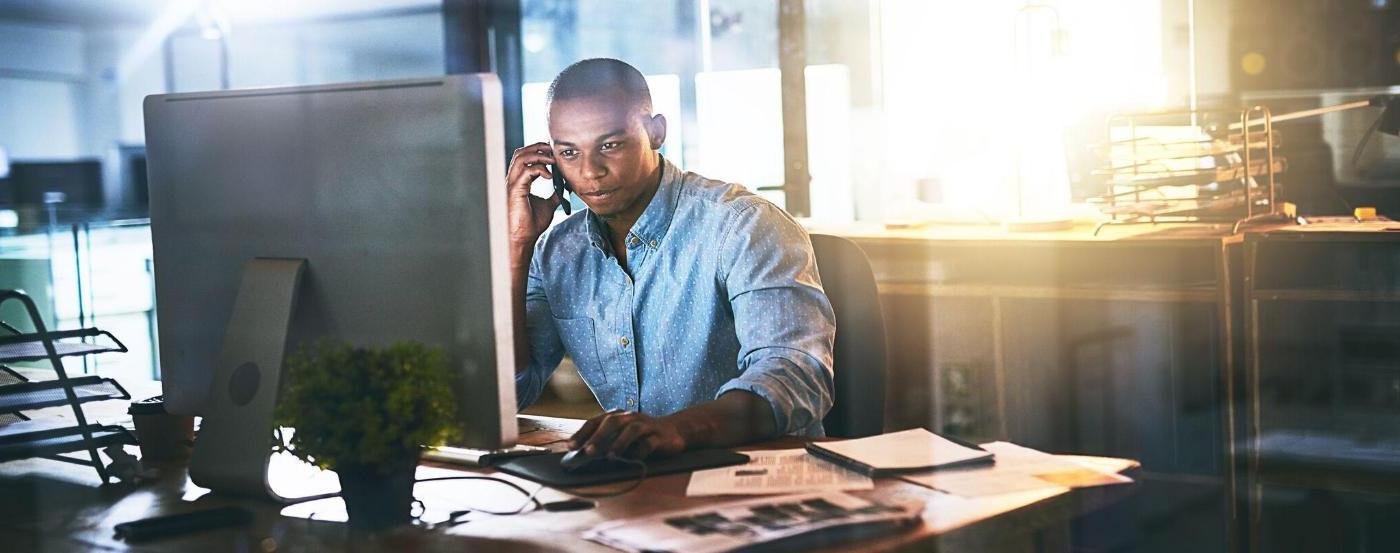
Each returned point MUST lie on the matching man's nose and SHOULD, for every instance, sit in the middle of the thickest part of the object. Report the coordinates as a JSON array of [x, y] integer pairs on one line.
[[593, 167]]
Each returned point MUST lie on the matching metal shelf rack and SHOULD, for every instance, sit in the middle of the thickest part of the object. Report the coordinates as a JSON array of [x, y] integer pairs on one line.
[[25, 438], [1216, 166]]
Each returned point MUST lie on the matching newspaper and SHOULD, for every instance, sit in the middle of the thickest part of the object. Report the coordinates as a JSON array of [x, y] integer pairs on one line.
[[732, 525], [783, 471], [1017, 469]]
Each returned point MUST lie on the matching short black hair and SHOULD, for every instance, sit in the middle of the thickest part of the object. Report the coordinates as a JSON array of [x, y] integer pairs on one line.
[[599, 76]]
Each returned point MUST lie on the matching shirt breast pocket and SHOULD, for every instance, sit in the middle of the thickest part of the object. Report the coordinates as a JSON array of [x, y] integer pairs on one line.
[[577, 336]]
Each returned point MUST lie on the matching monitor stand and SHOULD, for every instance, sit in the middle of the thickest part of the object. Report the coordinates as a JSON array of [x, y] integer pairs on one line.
[[232, 450]]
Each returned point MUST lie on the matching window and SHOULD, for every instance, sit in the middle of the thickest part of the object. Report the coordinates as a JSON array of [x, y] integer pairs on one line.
[[977, 96], [713, 70], [73, 89], [379, 47]]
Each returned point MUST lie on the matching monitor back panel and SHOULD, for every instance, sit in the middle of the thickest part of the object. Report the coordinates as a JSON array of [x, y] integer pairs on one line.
[[391, 192]]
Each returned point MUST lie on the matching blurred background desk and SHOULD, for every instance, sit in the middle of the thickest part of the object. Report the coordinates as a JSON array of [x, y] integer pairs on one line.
[[1179, 345], [1322, 313], [1122, 344]]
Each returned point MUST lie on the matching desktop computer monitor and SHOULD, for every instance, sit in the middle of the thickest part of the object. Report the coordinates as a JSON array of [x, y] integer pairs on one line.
[[71, 183], [393, 194]]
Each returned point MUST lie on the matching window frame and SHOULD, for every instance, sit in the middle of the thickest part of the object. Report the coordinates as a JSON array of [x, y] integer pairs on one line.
[[484, 36]]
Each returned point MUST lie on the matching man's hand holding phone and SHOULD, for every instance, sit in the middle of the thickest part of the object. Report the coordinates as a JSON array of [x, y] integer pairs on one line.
[[530, 215], [527, 216]]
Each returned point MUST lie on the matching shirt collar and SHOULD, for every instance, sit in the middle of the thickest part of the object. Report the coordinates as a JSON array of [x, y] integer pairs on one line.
[[651, 226]]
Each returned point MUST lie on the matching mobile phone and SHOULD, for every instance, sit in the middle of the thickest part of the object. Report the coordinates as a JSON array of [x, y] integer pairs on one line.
[[560, 187]]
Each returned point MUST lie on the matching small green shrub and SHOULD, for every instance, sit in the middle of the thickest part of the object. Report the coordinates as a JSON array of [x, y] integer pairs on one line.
[[368, 407]]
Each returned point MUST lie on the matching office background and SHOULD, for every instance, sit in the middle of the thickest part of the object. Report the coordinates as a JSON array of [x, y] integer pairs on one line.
[[847, 113], [890, 114]]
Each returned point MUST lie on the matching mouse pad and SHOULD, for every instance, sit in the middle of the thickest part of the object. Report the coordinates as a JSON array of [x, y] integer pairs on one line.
[[545, 469]]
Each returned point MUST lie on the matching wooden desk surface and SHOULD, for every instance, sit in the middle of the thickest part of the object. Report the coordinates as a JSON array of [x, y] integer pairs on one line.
[[864, 232], [1137, 234], [50, 506]]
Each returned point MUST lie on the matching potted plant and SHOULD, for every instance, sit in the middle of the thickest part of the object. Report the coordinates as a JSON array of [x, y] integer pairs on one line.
[[367, 414]]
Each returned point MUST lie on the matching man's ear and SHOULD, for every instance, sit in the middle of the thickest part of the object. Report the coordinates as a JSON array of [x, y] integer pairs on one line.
[[656, 130]]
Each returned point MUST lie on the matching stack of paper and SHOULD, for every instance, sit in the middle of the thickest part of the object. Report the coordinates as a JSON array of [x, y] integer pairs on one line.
[[898, 452], [774, 472], [1017, 469]]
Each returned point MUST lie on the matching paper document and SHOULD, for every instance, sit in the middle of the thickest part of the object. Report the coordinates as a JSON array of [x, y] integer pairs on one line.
[[912, 449], [777, 471], [1017, 469], [742, 524]]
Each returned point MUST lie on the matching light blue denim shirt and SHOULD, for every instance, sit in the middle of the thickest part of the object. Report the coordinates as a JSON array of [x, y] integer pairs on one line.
[[723, 295]]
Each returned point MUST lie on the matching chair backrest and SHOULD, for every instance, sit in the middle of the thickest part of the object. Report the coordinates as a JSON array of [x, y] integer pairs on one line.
[[860, 354]]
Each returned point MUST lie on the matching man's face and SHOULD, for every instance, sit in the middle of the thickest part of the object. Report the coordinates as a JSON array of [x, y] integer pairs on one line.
[[605, 151]]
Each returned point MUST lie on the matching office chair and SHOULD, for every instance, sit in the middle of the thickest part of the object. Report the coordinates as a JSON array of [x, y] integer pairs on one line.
[[860, 353]]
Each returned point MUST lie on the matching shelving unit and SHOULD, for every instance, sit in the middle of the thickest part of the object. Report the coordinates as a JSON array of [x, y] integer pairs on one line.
[[52, 439]]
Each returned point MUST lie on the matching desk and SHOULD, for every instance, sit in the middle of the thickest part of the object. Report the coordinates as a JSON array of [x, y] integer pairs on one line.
[[1322, 305], [1122, 344], [49, 506]]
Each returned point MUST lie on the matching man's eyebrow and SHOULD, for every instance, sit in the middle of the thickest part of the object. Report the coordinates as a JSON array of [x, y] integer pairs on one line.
[[600, 137]]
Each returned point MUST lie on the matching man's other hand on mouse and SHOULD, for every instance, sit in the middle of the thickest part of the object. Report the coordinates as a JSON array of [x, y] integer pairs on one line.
[[629, 435]]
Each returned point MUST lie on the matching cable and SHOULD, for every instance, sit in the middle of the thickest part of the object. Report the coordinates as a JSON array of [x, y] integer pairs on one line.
[[529, 496], [1356, 158], [1366, 139], [309, 498], [530, 499], [454, 516]]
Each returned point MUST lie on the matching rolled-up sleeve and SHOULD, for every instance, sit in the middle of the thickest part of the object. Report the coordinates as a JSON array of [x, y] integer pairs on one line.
[[782, 317], [546, 349]]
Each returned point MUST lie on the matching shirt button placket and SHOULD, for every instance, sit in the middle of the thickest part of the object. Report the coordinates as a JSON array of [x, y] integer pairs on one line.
[[629, 354]]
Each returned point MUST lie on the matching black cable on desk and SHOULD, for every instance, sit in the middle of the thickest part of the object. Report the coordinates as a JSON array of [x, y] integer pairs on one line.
[[452, 518], [529, 496], [310, 498]]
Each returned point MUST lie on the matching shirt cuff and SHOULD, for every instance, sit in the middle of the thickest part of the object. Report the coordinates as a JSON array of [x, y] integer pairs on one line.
[[798, 400]]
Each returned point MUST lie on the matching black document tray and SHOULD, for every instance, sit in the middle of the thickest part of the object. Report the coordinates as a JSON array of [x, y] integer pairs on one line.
[[545, 469]]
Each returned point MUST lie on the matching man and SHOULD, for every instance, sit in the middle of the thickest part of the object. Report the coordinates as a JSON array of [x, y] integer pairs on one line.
[[691, 307]]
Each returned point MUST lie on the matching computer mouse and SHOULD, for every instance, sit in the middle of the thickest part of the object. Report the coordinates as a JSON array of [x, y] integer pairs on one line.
[[576, 459]]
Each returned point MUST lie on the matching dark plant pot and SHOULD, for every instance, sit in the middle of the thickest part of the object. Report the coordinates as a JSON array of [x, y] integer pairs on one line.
[[376, 498]]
